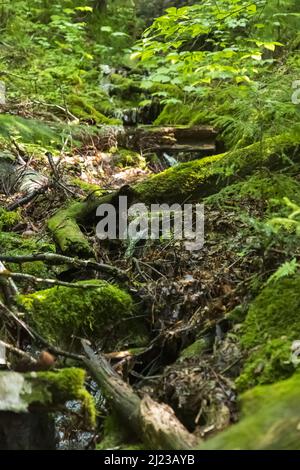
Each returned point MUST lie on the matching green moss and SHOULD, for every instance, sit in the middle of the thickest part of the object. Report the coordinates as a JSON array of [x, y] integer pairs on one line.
[[185, 113], [8, 219], [60, 312], [270, 420], [127, 158], [195, 349], [29, 130], [274, 313], [124, 87], [61, 386], [13, 245], [87, 187], [67, 233], [84, 109], [116, 435], [206, 176], [267, 364]]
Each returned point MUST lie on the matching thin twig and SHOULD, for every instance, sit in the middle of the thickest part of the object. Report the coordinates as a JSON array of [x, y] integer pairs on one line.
[[57, 351], [39, 280], [53, 258], [19, 352]]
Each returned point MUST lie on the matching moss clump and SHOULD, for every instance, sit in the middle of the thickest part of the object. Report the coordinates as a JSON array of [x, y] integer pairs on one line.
[[124, 87], [267, 364], [87, 187], [117, 436], [8, 219], [196, 349], [167, 90], [127, 158], [83, 109], [274, 313], [270, 420], [61, 386], [13, 245], [68, 384], [93, 312], [187, 114]]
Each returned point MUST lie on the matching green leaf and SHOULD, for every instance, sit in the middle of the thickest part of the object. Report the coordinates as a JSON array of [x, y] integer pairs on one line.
[[86, 8], [106, 29]]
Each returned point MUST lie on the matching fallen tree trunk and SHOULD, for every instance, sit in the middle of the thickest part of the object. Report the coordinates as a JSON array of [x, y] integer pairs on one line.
[[155, 424], [169, 138], [186, 182]]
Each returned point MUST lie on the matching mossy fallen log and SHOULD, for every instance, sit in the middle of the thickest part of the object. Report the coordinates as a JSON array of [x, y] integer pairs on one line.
[[185, 182]]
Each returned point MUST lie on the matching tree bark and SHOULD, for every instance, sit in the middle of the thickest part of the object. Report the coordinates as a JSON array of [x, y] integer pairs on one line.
[[154, 423]]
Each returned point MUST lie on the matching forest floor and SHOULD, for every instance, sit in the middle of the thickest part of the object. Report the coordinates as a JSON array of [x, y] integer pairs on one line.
[[210, 335]]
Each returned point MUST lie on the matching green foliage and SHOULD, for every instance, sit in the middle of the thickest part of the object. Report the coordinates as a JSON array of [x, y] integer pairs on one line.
[[229, 61], [286, 269], [195, 45], [53, 51], [290, 223]]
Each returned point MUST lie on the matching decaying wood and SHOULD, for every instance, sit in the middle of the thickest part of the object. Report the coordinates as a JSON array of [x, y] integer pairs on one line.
[[170, 138], [155, 424]]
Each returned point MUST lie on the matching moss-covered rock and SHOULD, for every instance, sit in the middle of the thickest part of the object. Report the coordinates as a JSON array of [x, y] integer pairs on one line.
[[196, 349], [270, 420], [124, 87], [93, 312], [8, 219], [87, 187], [267, 364], [185, 113], [84, 109], [19, 393], [274, 313], [271, 324]]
